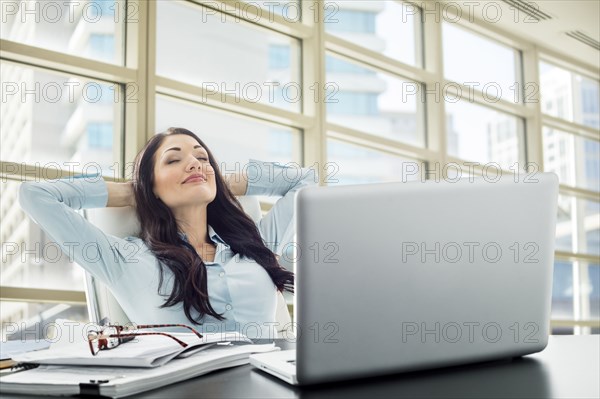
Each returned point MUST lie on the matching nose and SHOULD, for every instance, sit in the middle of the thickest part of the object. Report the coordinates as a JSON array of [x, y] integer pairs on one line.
[[194, 163]]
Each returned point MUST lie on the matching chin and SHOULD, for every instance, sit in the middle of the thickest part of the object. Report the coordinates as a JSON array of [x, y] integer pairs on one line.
[[204, 198]]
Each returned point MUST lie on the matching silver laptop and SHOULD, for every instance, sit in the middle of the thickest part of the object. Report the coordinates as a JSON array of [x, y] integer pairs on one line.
[[397, 277]]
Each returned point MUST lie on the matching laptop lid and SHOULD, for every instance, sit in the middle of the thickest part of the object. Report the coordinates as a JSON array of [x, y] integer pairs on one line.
[[403, 276]]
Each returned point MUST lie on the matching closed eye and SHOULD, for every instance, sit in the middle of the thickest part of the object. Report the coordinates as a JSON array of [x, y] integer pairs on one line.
[[177, 160]]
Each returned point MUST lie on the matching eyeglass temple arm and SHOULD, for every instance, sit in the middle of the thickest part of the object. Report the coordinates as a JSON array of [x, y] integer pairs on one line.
[[124, 328], [133, 335]]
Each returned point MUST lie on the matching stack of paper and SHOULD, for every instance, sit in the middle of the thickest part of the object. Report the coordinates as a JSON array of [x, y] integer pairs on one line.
[[124, 381], [148, 362], [9, 349]]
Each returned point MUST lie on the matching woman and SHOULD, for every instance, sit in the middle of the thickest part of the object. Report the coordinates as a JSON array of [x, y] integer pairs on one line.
[[199, 259]]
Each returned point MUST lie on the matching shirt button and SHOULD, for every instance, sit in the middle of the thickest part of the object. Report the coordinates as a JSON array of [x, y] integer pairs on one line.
[[228, 307], [222, 274]]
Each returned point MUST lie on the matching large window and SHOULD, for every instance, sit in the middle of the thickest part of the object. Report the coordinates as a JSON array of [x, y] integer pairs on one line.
[[345, 86], [571, 149]]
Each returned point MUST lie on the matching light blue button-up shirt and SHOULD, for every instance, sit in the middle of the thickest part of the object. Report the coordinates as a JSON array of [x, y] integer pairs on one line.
[[239, 288]]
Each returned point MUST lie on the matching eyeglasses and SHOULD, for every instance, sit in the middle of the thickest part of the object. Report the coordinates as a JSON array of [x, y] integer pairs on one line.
[[111, 336]]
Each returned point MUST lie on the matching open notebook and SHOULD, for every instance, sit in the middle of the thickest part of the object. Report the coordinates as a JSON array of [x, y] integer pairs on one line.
[[144, 351]]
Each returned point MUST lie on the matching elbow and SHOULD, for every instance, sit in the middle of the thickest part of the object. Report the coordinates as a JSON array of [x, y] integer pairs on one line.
[[310, 177], [26, 193], [30, 196]]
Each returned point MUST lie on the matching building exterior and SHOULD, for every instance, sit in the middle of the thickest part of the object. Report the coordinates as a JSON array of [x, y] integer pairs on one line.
[[55, 121]]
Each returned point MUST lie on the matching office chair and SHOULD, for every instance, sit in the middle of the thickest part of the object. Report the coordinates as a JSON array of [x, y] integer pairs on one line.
[[123, 222]]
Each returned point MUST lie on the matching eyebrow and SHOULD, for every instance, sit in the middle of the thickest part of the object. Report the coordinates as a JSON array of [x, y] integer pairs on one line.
[[179, 149]]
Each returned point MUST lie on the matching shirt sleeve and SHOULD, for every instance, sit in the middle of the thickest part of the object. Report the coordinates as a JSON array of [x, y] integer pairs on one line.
[[53, 205], [274, 179]]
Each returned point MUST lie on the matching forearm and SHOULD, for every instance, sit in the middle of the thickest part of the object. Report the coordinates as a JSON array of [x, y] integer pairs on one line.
[[120, 194], [237, 183], [275, 179], [54, 207]]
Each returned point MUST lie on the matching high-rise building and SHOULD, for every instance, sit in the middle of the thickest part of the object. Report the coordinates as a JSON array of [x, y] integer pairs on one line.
[[50, 117]]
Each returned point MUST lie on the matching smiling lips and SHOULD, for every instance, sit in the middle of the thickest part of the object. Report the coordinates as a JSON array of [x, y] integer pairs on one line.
[[195, 178]]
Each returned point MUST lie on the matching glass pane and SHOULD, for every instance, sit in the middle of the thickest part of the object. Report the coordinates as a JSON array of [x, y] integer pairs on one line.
[[594, 290], [35, 321], [478, 133], [352, 164], [481, 63], [227, 55], [575, 159], [578, 225], [288, 9], [562, 331], [564, 224], [590, 221], [569, 96], [374, 102], [387, 27], [231, 138], [58, 121], [562, 291], [87, 28], [30, 257]]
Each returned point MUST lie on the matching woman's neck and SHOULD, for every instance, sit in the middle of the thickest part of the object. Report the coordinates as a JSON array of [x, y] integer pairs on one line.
[[192, 221]]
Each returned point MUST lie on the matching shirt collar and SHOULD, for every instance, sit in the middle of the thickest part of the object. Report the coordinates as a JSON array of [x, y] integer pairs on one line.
[[214, 236], [211, 233]]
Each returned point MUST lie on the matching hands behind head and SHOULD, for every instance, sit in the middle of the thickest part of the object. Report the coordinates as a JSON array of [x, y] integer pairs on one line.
[[120, 194], [131, 195]]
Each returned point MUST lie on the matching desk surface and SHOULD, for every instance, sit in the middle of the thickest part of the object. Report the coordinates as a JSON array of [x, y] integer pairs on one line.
[[568, 368]]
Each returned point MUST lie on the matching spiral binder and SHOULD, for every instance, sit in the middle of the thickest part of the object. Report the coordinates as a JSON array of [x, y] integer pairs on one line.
[[24, 366]]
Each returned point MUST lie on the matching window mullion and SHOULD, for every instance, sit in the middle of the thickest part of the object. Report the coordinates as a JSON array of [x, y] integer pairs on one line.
[[435, 109], [314, 86], [135, 103], [533, 125]]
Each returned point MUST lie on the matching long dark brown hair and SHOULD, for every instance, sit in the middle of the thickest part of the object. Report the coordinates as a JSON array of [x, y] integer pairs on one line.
[[160, 232]]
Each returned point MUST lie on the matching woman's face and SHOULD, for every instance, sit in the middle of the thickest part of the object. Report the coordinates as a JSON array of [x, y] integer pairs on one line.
[[178, 159]]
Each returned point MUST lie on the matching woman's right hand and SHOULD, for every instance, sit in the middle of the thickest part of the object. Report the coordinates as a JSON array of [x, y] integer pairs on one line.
[[120, 194]]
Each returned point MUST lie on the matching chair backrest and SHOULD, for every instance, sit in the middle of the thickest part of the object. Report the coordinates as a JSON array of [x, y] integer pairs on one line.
[[123, 222], [119, 222]]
